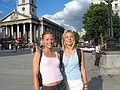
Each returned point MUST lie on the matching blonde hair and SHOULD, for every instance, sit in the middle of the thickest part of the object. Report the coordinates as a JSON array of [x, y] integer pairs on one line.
[[63, 39]]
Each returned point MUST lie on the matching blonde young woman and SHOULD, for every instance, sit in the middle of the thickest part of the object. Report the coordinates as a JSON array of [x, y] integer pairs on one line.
[[52, 78], [75, 73]]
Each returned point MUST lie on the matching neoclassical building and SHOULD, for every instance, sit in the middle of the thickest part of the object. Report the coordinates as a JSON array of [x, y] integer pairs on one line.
[[22, 22]]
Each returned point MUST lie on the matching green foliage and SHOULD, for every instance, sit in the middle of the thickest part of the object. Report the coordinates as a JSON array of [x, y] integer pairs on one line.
[[77, 37], [95, 21]]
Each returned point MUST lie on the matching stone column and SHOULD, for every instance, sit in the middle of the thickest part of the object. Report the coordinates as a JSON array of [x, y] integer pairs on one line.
[[24, 31], [35, 33], [30, 32], [18, 31], [0, 32], [38, 29], [12, 30], [3, 31], [41, 30], [6, 31]]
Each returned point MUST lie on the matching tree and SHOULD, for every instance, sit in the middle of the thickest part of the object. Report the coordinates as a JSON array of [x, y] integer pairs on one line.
[[77, 37], [95, 21]]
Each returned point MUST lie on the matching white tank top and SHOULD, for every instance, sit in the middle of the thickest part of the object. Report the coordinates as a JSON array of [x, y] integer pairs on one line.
[[49, 68]]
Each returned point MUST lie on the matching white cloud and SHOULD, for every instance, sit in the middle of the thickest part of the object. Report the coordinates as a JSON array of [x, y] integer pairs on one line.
[[71, 16], [1, 12]]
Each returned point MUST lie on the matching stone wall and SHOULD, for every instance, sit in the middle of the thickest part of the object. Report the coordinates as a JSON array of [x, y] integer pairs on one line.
[[110, 63]]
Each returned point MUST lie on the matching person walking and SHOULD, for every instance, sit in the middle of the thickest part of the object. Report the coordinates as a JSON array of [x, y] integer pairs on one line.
[[74, 72], [52, 78], [97, 55]]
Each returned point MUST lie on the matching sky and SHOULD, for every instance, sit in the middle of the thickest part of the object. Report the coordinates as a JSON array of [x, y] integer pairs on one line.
[[67, 13]]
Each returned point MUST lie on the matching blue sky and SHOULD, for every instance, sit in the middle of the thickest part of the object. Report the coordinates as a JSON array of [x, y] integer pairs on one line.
[[50, 6], [67, 13], [43, 6]]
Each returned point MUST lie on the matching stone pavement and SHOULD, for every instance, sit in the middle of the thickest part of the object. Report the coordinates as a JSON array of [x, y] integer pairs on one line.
[[15, 74], [13, 52], [98, 80]]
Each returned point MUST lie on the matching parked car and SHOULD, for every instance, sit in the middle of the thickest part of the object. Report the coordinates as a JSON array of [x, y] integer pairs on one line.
[[88, 48]]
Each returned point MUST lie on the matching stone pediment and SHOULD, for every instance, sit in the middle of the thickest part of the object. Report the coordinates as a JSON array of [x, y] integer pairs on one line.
[[14, 15]]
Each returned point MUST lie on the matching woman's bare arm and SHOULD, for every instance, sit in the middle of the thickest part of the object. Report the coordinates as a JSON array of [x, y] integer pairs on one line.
[[35, 69], [83, 71]]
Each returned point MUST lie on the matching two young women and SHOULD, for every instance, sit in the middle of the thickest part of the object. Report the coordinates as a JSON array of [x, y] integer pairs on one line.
[[75, 74]]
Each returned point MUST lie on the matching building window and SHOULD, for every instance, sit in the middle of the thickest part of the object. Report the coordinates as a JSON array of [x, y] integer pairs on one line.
[[23, 1], [116, 6], [32, 9]]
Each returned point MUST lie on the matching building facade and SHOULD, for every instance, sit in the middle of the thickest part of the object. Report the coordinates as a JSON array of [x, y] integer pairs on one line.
[[81, 33], [115, 5], [22, 22], [57, 30]]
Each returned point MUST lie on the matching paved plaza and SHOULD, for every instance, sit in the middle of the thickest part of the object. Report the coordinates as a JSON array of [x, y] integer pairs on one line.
[[15, 72]]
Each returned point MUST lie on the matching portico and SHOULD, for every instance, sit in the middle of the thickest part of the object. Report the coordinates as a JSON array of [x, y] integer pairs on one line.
[[26, 29], [23, 23]]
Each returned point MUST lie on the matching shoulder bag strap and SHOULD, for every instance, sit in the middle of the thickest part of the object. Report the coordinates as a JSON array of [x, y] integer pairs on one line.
[[79, 56], [61, 57], [40, 57]]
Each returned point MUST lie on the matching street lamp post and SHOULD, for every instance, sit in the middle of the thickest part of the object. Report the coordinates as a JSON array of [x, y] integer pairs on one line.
[[110, 23], [111, 42]]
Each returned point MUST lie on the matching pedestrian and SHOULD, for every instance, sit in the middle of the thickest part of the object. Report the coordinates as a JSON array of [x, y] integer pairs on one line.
[[74, 72], [0, 46], [52, 78], [36, 46], [16, 46], [97, 55]]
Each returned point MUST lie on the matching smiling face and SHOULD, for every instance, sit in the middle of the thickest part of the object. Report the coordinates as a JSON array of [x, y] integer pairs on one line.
[[68, 40], [48, 40]]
